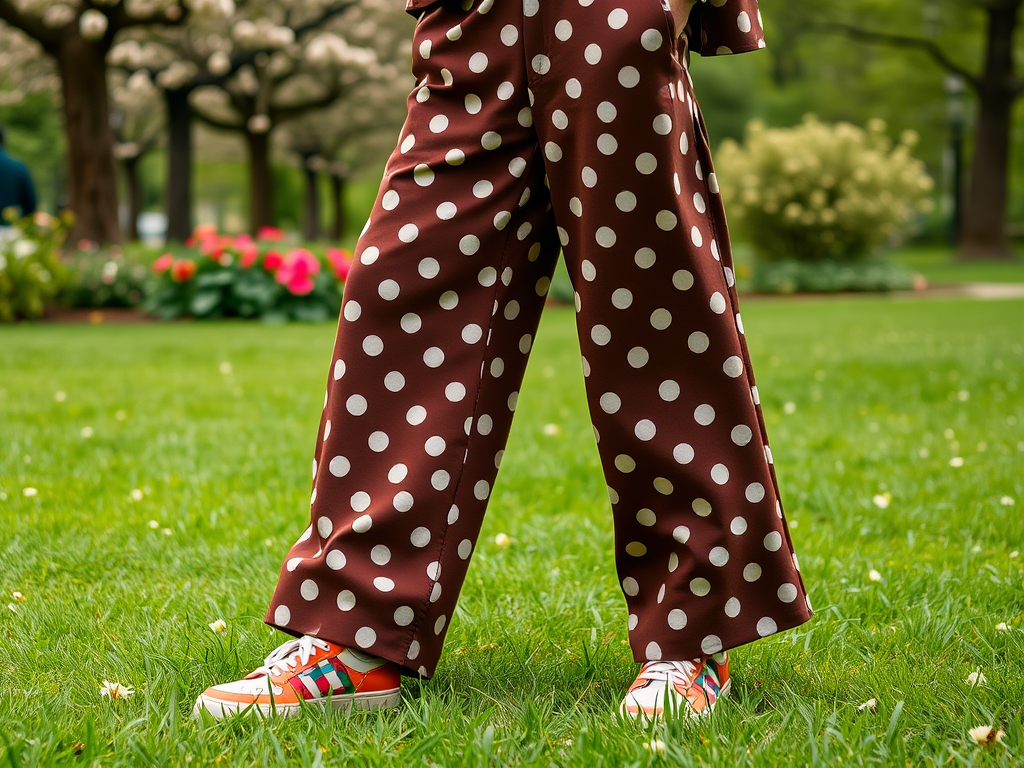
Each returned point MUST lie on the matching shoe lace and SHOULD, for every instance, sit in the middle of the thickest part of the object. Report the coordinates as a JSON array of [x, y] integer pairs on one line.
[[288, 655], [665, 670]]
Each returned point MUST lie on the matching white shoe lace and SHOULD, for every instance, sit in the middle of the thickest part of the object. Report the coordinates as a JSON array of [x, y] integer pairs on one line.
[[665, 670], [290, 654]]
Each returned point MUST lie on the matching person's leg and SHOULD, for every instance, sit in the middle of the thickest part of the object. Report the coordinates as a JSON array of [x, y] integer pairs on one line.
[[439, 315], [702, 549]]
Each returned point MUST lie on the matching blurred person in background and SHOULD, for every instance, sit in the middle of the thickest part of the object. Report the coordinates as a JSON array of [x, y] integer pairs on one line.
[[17, 192]]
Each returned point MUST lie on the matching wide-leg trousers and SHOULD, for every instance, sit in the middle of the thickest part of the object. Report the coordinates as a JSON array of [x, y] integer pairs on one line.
[[535, 128]]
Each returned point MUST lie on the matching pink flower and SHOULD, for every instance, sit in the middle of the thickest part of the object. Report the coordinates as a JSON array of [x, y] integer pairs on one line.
[[164, 263], [272, 261], [248, 254], [270, 233], [340, 261], [296, 270], [300, 285]]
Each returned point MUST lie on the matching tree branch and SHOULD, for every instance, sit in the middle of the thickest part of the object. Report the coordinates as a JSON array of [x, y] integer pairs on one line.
[[216, 122], [903, 41], [31, 26]]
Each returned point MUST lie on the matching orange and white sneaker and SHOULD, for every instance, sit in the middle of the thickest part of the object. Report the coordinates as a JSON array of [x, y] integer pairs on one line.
[[671, 688], [307, 671]]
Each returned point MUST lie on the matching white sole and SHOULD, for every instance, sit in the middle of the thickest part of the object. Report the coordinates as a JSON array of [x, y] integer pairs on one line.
[[345, 702], [642, 715]]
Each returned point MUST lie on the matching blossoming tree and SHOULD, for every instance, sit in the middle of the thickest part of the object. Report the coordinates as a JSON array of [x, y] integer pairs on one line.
[[77, 35], [270, 63]]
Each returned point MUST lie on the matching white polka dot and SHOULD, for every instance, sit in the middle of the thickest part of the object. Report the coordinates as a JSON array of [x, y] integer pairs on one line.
[[752, 572], [380, 554], [541, 64], [754, 492], [682, 279], [681, 534], [402, 501], [629, 77], [610, 402], [478, 62], [718, 556], [720, 474], [440, 479], [365, 637], [509, 35], [378, 441], [638, 357], [704, 414], [683, 453], [663, 486], [787, 593], [738, 526], [404, 615], [653, 651], [373, 345], [668, 390], [324, 526], [339, 466], [676, 618], [433, 357], [733, 367], [636, 549], [651, 40], [767, 626], [711, 644], [732, 608], [773, 541], [384, 584], [282, 615], [701, 507], [646, 517], [700, 587], [335, 560], [661, 319], [607, 144], [309, 590], [698, 202], [647, 164], [408, 233], [743, 22], [630, 586], [352, 310], [600, 334], [422, 175], [592, 53], [346, 600], [439, 624], [741, 434]]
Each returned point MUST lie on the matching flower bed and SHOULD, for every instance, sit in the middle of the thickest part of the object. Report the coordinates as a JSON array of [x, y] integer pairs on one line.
[[239, 276], [31, 272]]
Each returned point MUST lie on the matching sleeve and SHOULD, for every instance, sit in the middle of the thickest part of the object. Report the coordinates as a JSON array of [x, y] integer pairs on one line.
[[726, 26], [28, 194]]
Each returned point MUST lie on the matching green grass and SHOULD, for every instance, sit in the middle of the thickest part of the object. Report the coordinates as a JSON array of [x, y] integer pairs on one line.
[[940, 266], [862, 398]]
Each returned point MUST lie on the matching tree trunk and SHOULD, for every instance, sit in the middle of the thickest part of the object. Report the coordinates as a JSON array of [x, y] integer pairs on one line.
[[984, 229], [261, 190], [92, 170], [338, 206], [311, 218], [131, 177], [179, 165]]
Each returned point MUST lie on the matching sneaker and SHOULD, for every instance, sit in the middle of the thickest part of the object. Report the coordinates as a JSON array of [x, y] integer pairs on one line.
[[678, 687], [307, 671]]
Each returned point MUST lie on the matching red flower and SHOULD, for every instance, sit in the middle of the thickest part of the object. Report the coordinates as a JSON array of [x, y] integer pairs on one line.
[[340, 261], [301, 285], [183, 270], [270, 233], [248, 254], [164, 263], [272, 261]]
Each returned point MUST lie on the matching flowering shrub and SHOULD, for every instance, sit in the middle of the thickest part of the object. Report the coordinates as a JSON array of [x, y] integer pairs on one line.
[[226, 276], [103, 278], [819, 192], [31, 274]]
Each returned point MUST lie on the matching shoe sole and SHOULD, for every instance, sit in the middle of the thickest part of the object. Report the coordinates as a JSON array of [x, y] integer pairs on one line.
[[345, 702], [651, 716]]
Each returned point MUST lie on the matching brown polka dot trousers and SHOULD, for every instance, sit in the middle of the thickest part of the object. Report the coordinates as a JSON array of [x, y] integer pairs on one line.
[[539, 126]]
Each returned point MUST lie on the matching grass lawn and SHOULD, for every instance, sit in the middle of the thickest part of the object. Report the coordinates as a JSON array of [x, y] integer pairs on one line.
[[215, 423]]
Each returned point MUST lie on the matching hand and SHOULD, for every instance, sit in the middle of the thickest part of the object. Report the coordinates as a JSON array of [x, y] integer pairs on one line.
[[681, 13]]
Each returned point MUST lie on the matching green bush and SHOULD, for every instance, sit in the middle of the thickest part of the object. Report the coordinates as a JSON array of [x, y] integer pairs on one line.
[[225, 276], [31, 273], [104, 278], [819, 192], [793, 276]]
